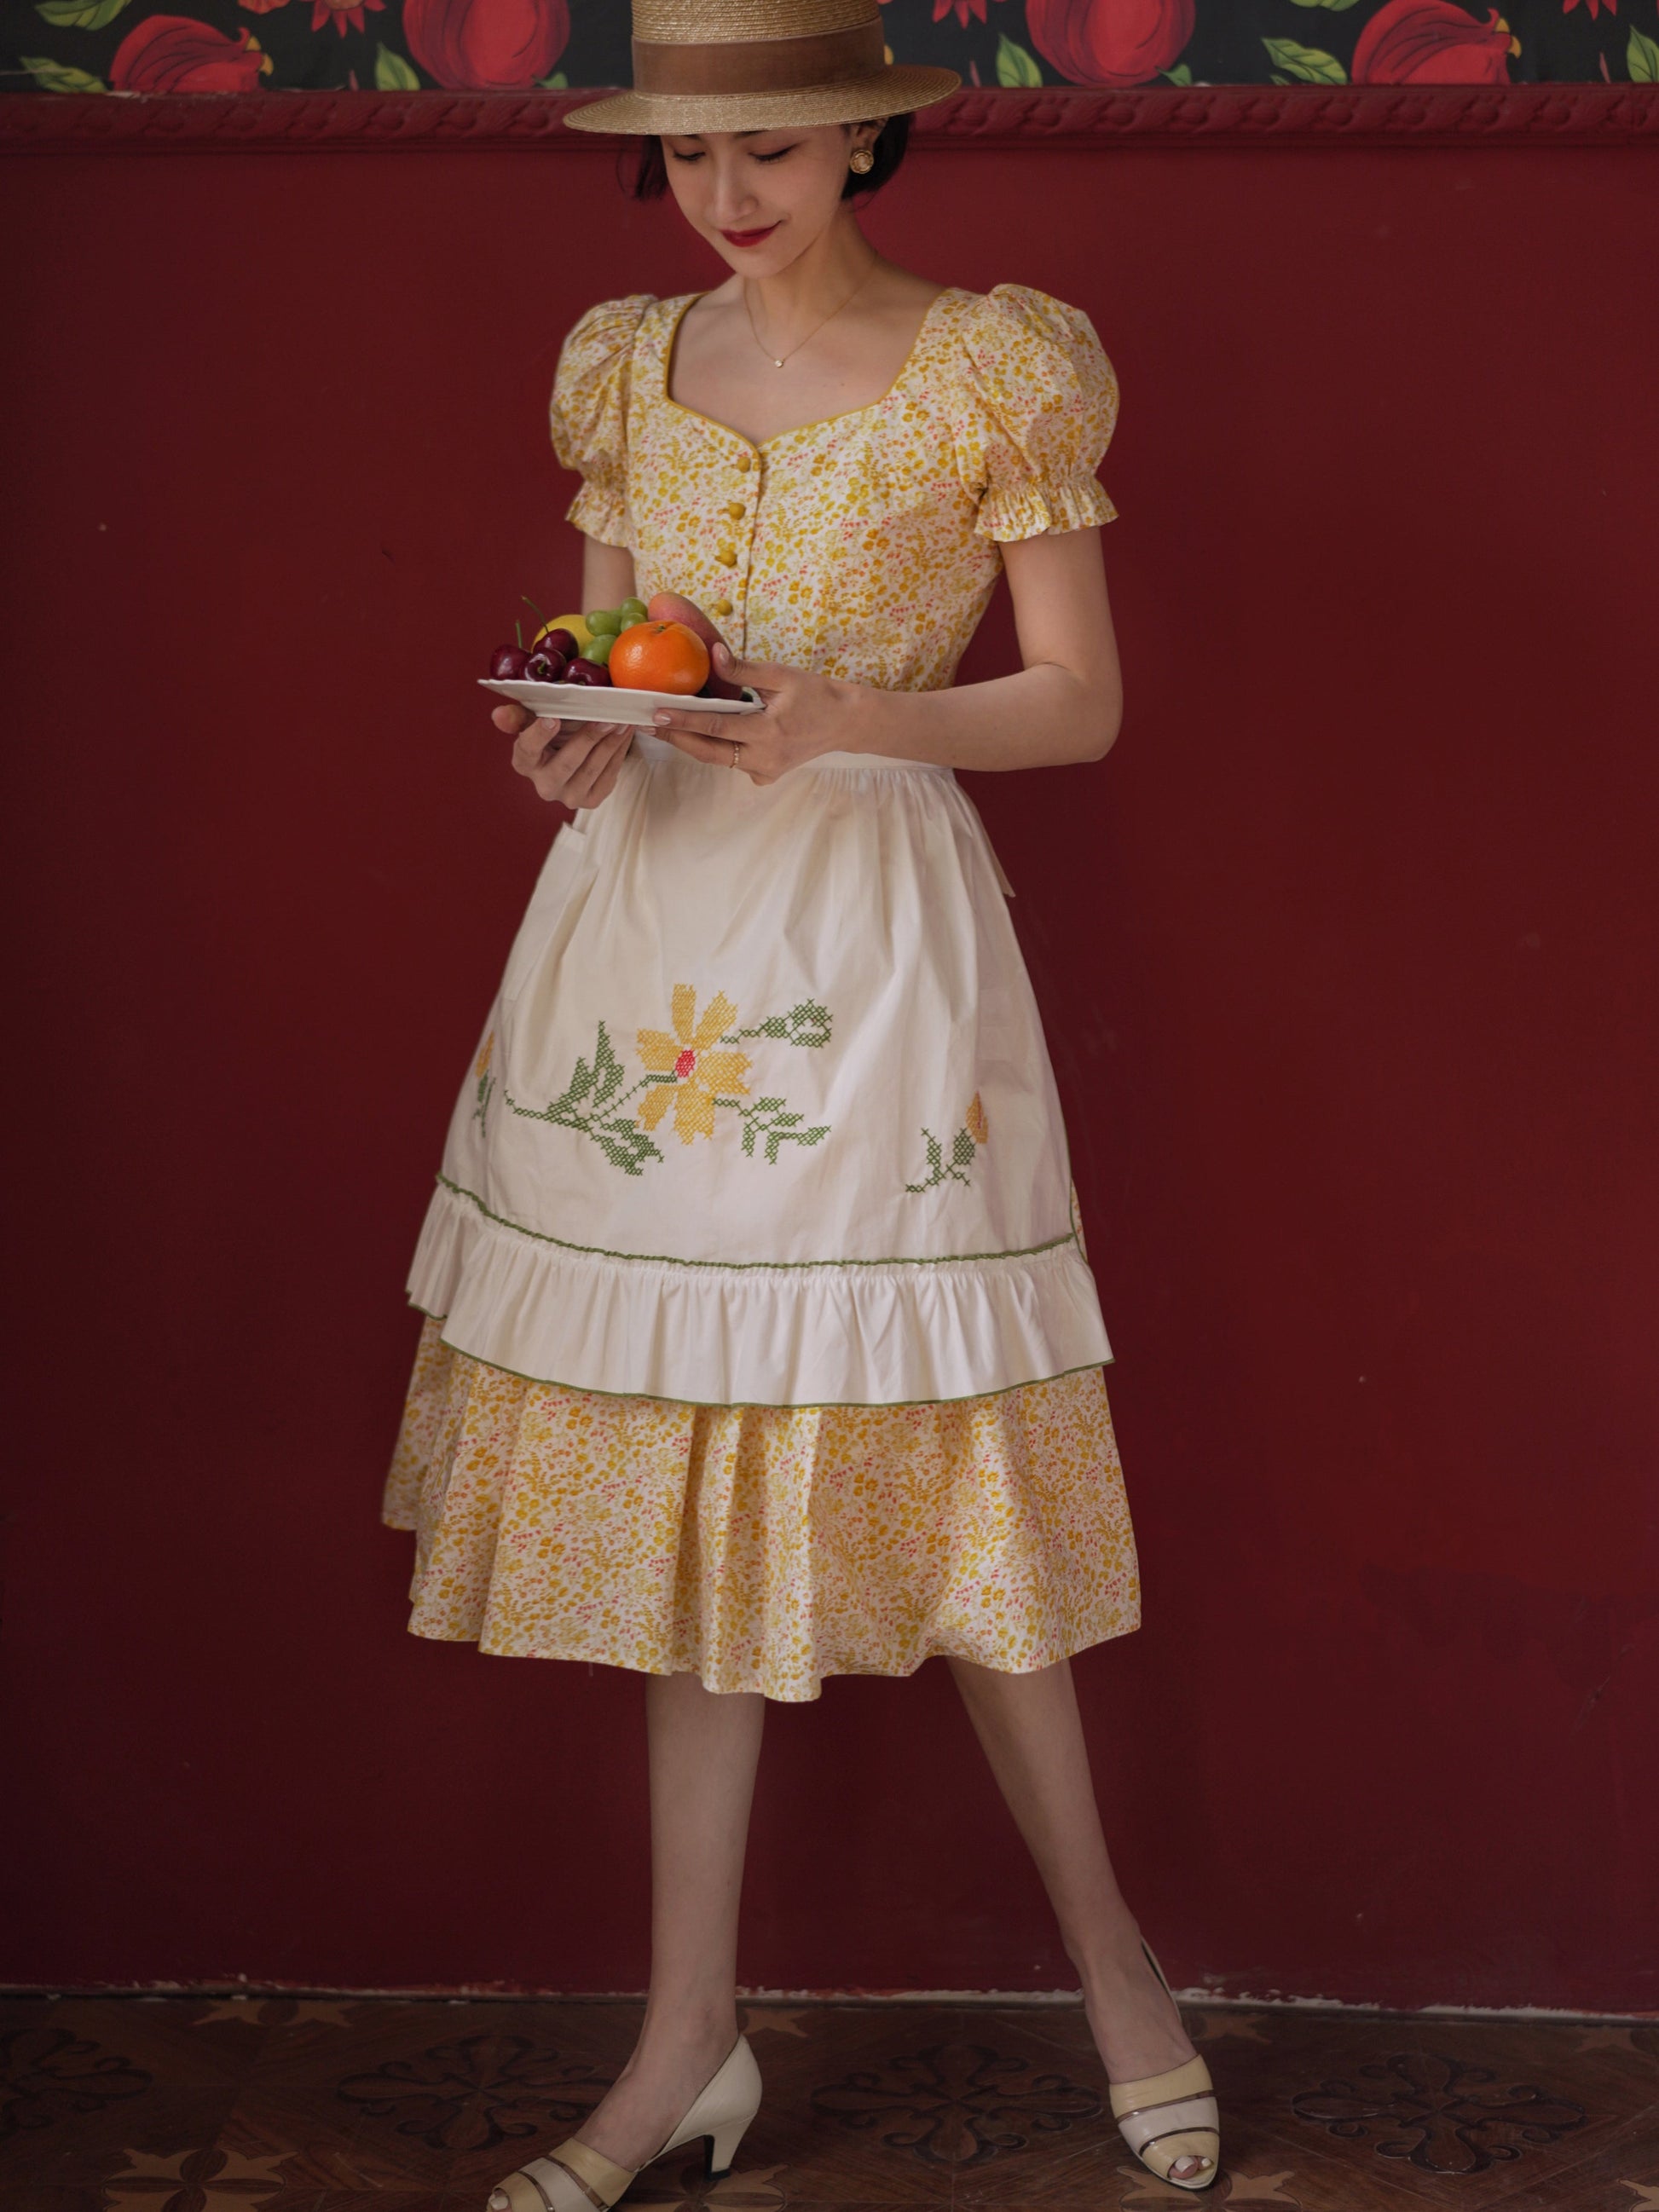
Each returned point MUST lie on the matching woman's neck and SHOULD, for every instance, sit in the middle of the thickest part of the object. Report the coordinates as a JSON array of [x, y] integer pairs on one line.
[[815, 283]]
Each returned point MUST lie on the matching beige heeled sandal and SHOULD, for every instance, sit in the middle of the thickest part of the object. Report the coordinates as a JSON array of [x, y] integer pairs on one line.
[[1172, 2116], [577, 2179]]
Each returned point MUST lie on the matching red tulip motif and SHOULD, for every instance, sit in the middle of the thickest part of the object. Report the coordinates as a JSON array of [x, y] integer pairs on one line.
[[1431, 42], [1109, 41], [175, 54], [486, 45]]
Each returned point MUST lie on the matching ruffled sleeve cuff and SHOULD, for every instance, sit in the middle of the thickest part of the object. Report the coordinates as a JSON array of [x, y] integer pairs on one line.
[[588, 415], [1009, 512]]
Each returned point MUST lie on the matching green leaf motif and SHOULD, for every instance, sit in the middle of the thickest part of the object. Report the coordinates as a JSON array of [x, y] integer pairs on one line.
[[1310, 64], [806, 1024], [1335, 6], [393, 73], [557, 83], [58, 76], [1642, 58], [1179, 75], [770, 1120], [79, 15], [1014, 65]]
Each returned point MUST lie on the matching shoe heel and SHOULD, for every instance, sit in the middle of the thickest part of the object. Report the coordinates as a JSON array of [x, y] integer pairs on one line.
[[723, 2147]]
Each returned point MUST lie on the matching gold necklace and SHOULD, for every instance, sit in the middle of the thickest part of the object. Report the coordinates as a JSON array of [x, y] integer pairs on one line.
[[778, 360]]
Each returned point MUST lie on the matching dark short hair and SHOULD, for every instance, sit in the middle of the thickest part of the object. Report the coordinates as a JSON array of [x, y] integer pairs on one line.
[[646, 176]]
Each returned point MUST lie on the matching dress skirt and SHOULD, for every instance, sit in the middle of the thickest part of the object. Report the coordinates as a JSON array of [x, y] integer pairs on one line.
[[761, 1341], [759, 1547]]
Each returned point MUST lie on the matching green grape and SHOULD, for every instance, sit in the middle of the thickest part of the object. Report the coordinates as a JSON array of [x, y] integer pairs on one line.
[[633, 611], [598, 648], [608, 620]]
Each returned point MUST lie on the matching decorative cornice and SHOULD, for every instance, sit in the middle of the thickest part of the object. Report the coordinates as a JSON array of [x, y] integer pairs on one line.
[[1205, 115]]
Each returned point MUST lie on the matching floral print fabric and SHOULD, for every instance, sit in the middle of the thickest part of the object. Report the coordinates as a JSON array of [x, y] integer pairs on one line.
[[864, 545], [482, 45], [760, 1548]]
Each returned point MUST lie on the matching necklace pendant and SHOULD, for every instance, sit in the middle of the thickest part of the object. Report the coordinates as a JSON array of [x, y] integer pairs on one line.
[[777, 364]]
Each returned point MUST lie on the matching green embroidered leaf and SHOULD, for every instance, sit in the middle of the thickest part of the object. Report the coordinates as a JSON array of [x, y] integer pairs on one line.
[[961, 1150], [58, 76], [806, 1024], [1179, 75], [393, 73], [609, 1074], [1642, 58], [1310, 65], [79, 15], [557, 83], [1014, 65], [624, 1144], [1336, 7], [771, 1119]]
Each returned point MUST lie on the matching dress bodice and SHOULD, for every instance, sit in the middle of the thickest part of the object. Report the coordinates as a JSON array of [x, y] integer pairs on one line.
[[864, 545]]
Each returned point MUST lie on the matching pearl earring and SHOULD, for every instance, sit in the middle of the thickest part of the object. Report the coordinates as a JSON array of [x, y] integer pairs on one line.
[[862, 161]]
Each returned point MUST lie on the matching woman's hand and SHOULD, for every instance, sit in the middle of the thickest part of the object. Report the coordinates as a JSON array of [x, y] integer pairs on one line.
[[579, 767], [805, 715]]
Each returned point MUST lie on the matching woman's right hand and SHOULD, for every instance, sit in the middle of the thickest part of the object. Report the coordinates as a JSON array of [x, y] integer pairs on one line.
[[578, 767]]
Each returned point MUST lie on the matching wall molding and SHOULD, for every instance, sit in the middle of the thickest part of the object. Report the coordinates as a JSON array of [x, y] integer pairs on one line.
[[1205, 115]]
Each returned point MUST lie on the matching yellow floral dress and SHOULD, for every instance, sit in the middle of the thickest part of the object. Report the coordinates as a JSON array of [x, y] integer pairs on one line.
[[760, 1342]]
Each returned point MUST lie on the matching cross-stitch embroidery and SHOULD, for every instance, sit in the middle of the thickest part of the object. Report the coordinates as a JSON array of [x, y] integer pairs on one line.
[[696, 1069], [484, 1078], [976, 1131]]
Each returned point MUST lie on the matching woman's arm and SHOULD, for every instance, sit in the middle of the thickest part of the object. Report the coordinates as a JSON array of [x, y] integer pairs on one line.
[[577, 764], [1065, 705]]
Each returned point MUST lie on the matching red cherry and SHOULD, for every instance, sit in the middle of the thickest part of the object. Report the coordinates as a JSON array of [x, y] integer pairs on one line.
[[545, 667], [506, 662]]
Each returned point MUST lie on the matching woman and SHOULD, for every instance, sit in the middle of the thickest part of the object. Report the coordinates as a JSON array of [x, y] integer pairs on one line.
[[761, 1341]]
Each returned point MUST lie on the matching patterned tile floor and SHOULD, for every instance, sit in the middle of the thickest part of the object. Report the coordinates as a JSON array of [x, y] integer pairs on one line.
[[190, 2105]]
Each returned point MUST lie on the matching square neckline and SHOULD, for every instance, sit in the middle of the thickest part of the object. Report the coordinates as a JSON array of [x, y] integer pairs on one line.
[[820, 423]]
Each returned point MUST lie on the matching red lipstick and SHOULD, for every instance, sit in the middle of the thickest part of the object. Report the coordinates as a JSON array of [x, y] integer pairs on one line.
[[748, 237]]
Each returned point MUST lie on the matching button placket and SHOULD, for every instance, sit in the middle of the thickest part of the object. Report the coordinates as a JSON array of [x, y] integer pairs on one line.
[[734, 533]]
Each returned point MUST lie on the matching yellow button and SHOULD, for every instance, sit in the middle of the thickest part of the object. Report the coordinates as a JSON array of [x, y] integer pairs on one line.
[[721, 607], [726, 555], [737, 510], [744, 462]]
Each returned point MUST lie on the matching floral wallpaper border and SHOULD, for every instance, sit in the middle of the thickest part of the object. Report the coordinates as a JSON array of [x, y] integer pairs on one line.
[[520, 45]]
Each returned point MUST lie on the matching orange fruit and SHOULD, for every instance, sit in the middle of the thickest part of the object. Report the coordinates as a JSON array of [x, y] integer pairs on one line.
[[660, 656]]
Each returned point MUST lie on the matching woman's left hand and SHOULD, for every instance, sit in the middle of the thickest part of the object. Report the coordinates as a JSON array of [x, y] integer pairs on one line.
[[804, 715]]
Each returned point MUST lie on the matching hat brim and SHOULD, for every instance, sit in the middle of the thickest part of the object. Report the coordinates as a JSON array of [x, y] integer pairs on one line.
[[898, 90]]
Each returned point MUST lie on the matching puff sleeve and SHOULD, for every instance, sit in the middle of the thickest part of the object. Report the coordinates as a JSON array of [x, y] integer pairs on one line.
[[589, 415], [1038, 408]]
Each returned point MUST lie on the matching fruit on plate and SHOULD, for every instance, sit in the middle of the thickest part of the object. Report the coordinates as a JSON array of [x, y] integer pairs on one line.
[[660, 656], [591, 673], [544, 667], [507, 662], [560, 641], [598, 648], [632, 611], [606, 622], [575, 625]]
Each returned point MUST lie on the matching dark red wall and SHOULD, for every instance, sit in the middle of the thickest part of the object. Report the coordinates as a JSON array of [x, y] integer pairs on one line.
[[1347, 956]]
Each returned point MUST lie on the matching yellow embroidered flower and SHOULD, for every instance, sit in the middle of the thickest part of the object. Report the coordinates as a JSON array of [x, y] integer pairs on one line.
[[481, 1065], [978, 1127], [700, 1077]]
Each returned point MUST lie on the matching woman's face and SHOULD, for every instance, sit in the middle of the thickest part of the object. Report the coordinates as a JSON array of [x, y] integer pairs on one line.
[[760, 198]]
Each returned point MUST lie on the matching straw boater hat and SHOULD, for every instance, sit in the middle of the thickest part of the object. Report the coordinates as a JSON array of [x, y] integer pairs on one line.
[[759, 64]]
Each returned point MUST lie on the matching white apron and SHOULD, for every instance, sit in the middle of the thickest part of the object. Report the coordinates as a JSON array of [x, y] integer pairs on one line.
[[763, 1113]]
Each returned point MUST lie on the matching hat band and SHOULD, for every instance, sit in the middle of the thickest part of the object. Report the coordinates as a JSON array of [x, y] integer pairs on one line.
[[759, 64]]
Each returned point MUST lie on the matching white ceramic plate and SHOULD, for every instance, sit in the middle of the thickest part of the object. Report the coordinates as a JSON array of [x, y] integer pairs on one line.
[[585, 703]]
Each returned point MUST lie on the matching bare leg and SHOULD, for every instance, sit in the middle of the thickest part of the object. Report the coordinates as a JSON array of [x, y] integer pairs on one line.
[[1032, 1734], [704, 1749]]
